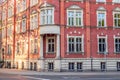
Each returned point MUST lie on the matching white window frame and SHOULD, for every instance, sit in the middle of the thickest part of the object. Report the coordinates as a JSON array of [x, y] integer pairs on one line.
[[18, 7], [32, 46], [9, 49], [17, 26], [114, 18], [33, 21], [17, 51], [47, 8], [9, 30], [33, 2], [24, 5], [47, 44], [10, 11], [115, 43], [75, 10], [82, 38], [3, 32], [105, 23], [3, 15], [23, 27], [106, 41]]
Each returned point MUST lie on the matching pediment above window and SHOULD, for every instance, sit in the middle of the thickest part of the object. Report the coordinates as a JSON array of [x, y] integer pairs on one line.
[[101, 9], [24, 16], [45, 4], [33, 12], [74, 7], [117, 9]]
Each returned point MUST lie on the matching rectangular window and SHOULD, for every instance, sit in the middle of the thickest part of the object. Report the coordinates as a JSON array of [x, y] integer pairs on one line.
[[118, 66], [79, 66], [18, 27], [10, 11], [75, 44], [117, 45], [3, 32], [23, 47], [75, 18], [32, 46], [3, 15], [9, 51], [23, 5], [47, 16], [103, 66], [102, 45], [33, 2], [18, 7], [18, 47], [117, 19], [23, 25], [9, 30], [33, 21], [101, 19], [35, 46], [71, 66], [51, 45], [50, 66]]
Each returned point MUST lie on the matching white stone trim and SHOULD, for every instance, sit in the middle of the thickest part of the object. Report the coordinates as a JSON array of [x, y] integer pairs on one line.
[[41, 47], [114, 12], [47, 44], [82, 38], [76, 10], [105, 18], [53, 11], [106, 41], [114, 42], [50, 29]]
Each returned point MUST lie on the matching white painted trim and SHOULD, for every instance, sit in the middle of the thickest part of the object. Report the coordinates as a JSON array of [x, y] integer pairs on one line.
[[82, 17], [114, 42], [82, 38], [114, 12], [53, 11], [106, 41], [47, 44], [105, 18]]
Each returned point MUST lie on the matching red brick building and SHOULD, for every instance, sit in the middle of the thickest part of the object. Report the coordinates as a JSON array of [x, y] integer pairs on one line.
[[61, 35]]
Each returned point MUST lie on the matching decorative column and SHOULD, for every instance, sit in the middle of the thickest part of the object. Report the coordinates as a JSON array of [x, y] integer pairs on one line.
[[41, 61], [41, 47], [57, 61], [58, 47]]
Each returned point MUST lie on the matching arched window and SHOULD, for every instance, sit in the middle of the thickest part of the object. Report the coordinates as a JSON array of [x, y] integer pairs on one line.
[[46, 14]]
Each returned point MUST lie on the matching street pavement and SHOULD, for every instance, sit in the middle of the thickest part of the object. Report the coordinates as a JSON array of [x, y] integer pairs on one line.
[[13, 74]]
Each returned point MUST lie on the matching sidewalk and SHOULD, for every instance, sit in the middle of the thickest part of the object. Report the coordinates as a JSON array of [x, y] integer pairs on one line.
[[27, 72]]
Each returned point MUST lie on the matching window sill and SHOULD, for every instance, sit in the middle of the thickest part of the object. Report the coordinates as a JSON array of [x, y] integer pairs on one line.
[[116, 2], [117, 27], [116, 52], [47, 24], [74, 26], [50, 52], [101, 27], [102, 52]]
